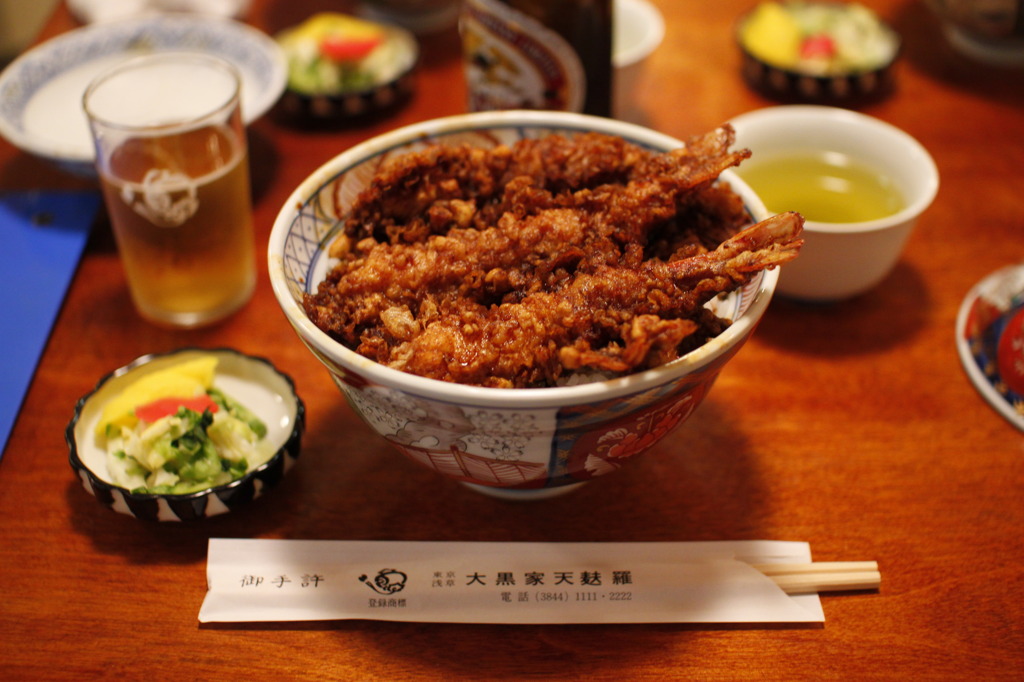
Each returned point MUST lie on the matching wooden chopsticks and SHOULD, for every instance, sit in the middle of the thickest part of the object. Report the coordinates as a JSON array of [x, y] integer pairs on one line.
[[823, 576]]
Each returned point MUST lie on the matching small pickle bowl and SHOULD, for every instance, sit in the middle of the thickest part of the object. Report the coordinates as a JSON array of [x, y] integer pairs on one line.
[[343, 69], [253, 381], [846, 257], [834, 53], [511, 443]]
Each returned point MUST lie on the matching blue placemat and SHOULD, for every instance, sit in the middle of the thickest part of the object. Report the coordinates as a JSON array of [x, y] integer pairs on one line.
[[42, 235]]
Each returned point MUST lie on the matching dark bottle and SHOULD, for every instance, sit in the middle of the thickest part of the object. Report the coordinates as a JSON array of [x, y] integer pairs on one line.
[[538, 54]]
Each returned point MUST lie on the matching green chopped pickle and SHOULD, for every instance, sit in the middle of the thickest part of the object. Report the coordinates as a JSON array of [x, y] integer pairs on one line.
[[187, 451]]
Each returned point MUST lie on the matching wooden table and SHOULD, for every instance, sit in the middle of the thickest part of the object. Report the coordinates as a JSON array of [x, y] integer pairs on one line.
[[850, 426]]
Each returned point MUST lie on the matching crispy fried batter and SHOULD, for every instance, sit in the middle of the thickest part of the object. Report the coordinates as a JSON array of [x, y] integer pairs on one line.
[[514, 266]]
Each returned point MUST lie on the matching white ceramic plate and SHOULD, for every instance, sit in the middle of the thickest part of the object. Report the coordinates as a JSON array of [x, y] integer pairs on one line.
[[41, 91], [990, 340], [638, 29]]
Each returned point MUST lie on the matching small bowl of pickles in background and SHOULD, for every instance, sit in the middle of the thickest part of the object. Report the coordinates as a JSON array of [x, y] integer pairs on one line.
[[836, 53], [859, 182], [342, 68]]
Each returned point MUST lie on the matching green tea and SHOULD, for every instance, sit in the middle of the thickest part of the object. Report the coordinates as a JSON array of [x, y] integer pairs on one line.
[[826, 188]]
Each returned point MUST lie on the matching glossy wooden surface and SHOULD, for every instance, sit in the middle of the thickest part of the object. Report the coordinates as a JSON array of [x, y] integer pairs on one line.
[[850, 426]]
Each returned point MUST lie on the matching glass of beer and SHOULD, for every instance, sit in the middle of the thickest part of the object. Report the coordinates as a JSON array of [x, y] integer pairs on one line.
[[172, 161]]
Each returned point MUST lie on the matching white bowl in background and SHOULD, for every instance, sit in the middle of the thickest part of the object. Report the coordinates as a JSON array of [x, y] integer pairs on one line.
[[842, 260], [639, 29]]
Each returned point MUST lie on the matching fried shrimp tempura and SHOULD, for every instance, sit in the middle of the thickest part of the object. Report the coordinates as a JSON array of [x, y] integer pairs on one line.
[[516, 266]]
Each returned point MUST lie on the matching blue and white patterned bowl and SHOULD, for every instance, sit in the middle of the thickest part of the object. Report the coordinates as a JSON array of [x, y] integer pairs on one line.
[[41, 91], [253, 381], [520, 442], [990, 340]]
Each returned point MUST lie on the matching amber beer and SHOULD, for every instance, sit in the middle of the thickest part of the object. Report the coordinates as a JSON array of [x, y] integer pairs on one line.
[[179, 202], [538, 54], [203, 267]]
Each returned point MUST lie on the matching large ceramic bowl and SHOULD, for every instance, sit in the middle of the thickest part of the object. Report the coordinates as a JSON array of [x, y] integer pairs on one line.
[[517, 442]]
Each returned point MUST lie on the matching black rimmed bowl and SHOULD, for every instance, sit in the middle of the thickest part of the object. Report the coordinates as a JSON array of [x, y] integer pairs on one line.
[[392, 87], [845, 87], [253, 381]]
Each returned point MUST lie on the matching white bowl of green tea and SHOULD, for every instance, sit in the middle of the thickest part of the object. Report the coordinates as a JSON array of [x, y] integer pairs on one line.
[[860, 183]]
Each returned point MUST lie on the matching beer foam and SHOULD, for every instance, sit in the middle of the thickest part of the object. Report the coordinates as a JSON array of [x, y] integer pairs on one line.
[[161, 94]]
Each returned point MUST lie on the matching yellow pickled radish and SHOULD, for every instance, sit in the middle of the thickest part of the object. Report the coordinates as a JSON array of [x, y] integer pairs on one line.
[[772, 35], [183, 380], [326, 24]]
